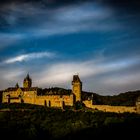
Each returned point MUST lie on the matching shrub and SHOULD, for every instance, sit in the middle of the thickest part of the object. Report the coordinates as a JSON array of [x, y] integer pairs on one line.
[[79, 105]]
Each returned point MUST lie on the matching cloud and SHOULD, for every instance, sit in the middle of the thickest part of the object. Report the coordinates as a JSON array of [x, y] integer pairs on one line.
[[98, 75], [13, 74], [124, 80], [117, 82], [10, 76], [75, 18], [61, 73], [29, 56], [7, 39], [36, 20]]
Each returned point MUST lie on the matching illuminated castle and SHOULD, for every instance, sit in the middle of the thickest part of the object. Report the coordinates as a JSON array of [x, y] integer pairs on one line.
[[34, 95], [59, 97]]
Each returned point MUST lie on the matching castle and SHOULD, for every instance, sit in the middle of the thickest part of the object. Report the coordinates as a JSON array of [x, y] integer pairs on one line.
[[33, 95], [50, 98]]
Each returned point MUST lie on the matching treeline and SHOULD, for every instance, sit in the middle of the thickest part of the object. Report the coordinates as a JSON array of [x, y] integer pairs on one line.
[[122, 99], [56, 124], [55, 91]]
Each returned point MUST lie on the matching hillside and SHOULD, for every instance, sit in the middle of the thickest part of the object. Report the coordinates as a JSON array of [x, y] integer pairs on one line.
[[37, 122], [123, 99]]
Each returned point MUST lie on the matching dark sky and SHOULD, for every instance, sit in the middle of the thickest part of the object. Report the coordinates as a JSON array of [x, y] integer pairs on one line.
[[54, 39]]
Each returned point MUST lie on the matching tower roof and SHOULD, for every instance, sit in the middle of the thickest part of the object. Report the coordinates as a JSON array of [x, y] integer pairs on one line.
[[27, 77], [17, 86], [76, 78]]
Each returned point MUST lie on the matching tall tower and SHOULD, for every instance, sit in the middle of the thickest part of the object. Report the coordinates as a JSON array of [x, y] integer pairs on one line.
[[77, 87], [27, 83]]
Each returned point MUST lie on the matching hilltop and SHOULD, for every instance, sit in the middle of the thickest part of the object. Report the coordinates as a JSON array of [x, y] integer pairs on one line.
[[122, 99]]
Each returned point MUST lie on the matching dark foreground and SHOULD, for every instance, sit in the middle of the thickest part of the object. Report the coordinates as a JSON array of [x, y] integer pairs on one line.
[[34, 122]]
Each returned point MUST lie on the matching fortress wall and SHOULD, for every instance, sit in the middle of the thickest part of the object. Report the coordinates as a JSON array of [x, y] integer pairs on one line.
[[54, 100], [29, 100], [32, 98], [48, 100], [68, 99], [4, 97], [138, 107], [29, 97], [15, 101], [108, 108]]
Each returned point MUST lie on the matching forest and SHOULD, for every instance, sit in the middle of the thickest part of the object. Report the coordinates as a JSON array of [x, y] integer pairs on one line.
[[122, 99], [25, 121]]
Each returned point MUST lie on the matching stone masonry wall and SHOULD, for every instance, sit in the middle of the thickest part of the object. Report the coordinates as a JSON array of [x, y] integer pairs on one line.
[[108, 108]]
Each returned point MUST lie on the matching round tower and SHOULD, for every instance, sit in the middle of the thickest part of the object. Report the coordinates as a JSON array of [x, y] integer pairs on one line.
[[77, 87], [27, 83]]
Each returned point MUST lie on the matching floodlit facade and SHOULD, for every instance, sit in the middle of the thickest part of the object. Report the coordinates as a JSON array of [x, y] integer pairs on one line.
[[33, 95]]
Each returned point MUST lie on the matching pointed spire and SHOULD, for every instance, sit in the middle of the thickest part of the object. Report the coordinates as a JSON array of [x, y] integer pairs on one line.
[[28, 77], [17, 86]]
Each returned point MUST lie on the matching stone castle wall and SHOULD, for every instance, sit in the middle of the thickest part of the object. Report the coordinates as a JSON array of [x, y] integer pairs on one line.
[[45, 100], [54, 100], [28, 94], [60, 101], [51, 100], [108, 108]]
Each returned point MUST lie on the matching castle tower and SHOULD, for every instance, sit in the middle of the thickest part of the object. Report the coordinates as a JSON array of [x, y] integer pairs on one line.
[[27, 83], [77, 87]]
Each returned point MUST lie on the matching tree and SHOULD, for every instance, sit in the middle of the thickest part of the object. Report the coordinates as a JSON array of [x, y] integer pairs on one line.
[[79, 105]]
